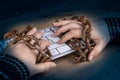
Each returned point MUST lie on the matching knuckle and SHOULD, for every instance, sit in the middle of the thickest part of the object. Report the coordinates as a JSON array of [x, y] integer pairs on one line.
[[73, 31]]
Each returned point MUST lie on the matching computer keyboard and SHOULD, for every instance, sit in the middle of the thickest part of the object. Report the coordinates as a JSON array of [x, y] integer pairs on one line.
[[57, 50]]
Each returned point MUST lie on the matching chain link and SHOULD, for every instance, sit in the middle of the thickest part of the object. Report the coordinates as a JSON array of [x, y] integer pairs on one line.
[[43, 55]]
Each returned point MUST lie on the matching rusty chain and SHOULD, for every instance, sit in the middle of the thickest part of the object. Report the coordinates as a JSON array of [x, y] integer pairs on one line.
[[43, 55], [76, 43]]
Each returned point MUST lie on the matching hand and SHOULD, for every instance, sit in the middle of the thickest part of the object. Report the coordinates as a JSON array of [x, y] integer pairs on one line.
[[99, 33], [28, 56]]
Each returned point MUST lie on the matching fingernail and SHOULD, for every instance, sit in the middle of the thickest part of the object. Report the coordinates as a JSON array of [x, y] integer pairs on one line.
[[91, 57], [59, 42], [54, 23], [53, 64]]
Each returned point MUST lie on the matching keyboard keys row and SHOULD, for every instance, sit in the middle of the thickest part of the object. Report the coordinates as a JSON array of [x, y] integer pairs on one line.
[[60, 50], [54, 52], [55, 46], [54, 29], [47, 29], [54, 39], [48, 33], [63, 49]]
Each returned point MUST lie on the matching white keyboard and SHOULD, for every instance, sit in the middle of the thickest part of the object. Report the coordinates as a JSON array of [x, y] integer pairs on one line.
[[57, 50]]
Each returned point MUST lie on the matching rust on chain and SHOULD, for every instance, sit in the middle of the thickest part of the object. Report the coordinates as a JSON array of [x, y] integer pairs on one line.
[[84, 45], [43, 55]]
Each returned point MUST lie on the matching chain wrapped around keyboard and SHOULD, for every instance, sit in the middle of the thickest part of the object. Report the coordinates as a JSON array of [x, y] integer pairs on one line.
[[43, 55], [84, 45]]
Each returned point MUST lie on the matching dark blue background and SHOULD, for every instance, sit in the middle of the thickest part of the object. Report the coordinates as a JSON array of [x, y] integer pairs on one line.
[[13, 11], [16, 11]]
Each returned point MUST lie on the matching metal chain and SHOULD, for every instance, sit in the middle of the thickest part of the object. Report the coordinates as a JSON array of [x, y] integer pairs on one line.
[[76, 43], [43, 55], [86, 41]]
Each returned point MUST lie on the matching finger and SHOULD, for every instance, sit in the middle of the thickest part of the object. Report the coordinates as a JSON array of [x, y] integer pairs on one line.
[[45, 66], [63, 22], [96, 51], [31, 32], [61, 30], [60, 23], [38, 35], [66, 28], [44, 43], [66, 37], [74, 33]]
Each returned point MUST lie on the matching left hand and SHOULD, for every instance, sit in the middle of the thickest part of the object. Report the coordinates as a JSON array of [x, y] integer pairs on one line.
[[28, 56]]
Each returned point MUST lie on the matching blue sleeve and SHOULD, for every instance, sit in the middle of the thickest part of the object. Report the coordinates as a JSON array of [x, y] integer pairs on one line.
[[12, 69], [3, 45], [113, 26]]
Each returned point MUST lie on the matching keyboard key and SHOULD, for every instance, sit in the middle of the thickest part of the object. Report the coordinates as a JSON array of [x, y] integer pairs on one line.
[[63, 49], [48, 33], [49, 37], [41, 30], [54, 52], [55, 46], [47, 29], [54, 29], [54, 39], [12, 39]]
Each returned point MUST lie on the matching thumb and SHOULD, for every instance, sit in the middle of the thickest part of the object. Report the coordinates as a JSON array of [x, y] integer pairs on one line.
[[45, 66], [96, 51], [31, 32]]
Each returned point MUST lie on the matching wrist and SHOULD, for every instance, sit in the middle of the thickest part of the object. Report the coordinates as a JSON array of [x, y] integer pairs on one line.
[[101, 27]]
